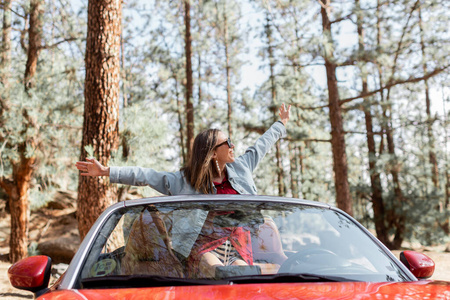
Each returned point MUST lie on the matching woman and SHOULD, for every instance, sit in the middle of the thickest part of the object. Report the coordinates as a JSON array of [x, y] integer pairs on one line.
[[212, 169]]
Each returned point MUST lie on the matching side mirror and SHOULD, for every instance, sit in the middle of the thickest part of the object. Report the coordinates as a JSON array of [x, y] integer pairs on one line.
[[31, 273], [419, 264]]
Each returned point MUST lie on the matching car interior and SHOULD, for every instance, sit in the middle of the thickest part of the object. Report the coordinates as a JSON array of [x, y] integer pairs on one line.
[[266, 239], [147, 248]]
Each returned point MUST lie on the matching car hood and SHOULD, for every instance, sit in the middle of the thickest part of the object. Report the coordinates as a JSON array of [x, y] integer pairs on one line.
[[335, 290]]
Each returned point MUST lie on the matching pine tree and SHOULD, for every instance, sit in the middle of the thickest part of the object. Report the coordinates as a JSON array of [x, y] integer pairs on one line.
[[30, 120], [101, 109], [189, 78], [375, 179], [340, 167]]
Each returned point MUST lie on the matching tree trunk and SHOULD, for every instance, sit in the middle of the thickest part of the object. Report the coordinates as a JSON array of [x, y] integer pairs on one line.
[[343, 199], [6, 41], [17, 190], [124, 73], [375, 181], [301, 151], [431, 154], [101, 109], [5, 60], [397, 218], [446, 224], [180, 119], [199, 18], [34, 41], [18, 204], [273, 90], [227, 69], [281, 191], [189, 79], [294, 169], [199, 79], [17, 187]]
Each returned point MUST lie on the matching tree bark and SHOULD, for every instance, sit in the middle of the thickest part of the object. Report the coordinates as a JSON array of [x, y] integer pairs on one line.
[[375, 181], [34, 41], [124, 73], [200, 16], [228, 71], [431, 154], [199, 79], [17, 190], [180, 119], [301, 161], [6, 40], [101, 109], [5, 59], [17, 187], [340, 168], [189, 79], [396, 219], [273, 90], [446, 223], [446, 207], [293, 158]]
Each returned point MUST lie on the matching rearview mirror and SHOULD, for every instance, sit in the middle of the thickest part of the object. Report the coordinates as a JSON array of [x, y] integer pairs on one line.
[[419, 264], [31, 273]]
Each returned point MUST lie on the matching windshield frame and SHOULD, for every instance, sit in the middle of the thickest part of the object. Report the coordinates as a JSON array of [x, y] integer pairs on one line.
[[73, 273]]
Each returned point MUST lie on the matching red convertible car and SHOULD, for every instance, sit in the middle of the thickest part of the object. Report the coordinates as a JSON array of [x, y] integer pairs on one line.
[[231, 247]]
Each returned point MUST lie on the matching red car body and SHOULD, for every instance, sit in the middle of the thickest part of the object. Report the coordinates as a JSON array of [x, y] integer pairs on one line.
[[352, 280], [341, 291]]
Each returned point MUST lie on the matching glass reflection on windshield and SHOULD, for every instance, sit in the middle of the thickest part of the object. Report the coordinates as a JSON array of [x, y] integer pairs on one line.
[[219, 240]]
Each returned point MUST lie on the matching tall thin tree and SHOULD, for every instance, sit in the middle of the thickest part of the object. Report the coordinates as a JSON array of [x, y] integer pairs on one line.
[[18, 184], [101, 108], [273, 92], [5, 60], [227, 67], [189, 78], [397, 220], [340, 167], [375, 179], [431, 146]]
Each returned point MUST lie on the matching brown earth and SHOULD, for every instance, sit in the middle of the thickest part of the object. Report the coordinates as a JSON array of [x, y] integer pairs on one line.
[[59, 222], [54, 224]]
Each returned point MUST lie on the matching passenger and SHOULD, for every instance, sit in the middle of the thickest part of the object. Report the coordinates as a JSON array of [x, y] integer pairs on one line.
[[212, 169]]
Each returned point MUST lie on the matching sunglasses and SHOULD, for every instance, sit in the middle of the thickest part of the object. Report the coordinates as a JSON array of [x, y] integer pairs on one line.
[[228, 141]]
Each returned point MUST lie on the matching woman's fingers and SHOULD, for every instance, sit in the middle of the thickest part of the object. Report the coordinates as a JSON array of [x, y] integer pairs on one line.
[[283, 111], [86, 167], [91, 167]]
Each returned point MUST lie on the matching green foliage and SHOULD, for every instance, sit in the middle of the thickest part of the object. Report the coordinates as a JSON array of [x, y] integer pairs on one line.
[[33, 249], [46, 118], [152, 116], [89, 150]]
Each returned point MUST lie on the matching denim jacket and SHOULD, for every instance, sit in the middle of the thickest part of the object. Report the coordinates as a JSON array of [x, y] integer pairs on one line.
[[174, 183], [185, 230]]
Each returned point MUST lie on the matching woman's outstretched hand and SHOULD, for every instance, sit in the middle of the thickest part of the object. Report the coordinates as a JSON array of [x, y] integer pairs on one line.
[[91, 167], [284, 113]]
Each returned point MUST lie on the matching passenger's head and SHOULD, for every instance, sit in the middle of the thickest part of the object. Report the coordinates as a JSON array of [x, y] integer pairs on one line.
[[210, 147]]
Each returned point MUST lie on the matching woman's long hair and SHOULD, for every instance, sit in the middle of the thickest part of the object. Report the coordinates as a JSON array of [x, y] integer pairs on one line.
[[200, 171]]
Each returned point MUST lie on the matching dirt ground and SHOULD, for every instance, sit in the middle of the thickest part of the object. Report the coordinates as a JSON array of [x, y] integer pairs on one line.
[[46, 224]]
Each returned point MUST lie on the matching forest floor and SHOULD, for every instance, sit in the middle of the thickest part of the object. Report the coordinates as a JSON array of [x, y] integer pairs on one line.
[[46, 224]]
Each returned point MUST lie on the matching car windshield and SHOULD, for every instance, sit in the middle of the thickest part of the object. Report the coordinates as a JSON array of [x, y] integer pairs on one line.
[[214, 241]]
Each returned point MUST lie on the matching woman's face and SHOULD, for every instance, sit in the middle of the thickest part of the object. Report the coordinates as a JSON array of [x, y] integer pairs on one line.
[[223, 153]]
